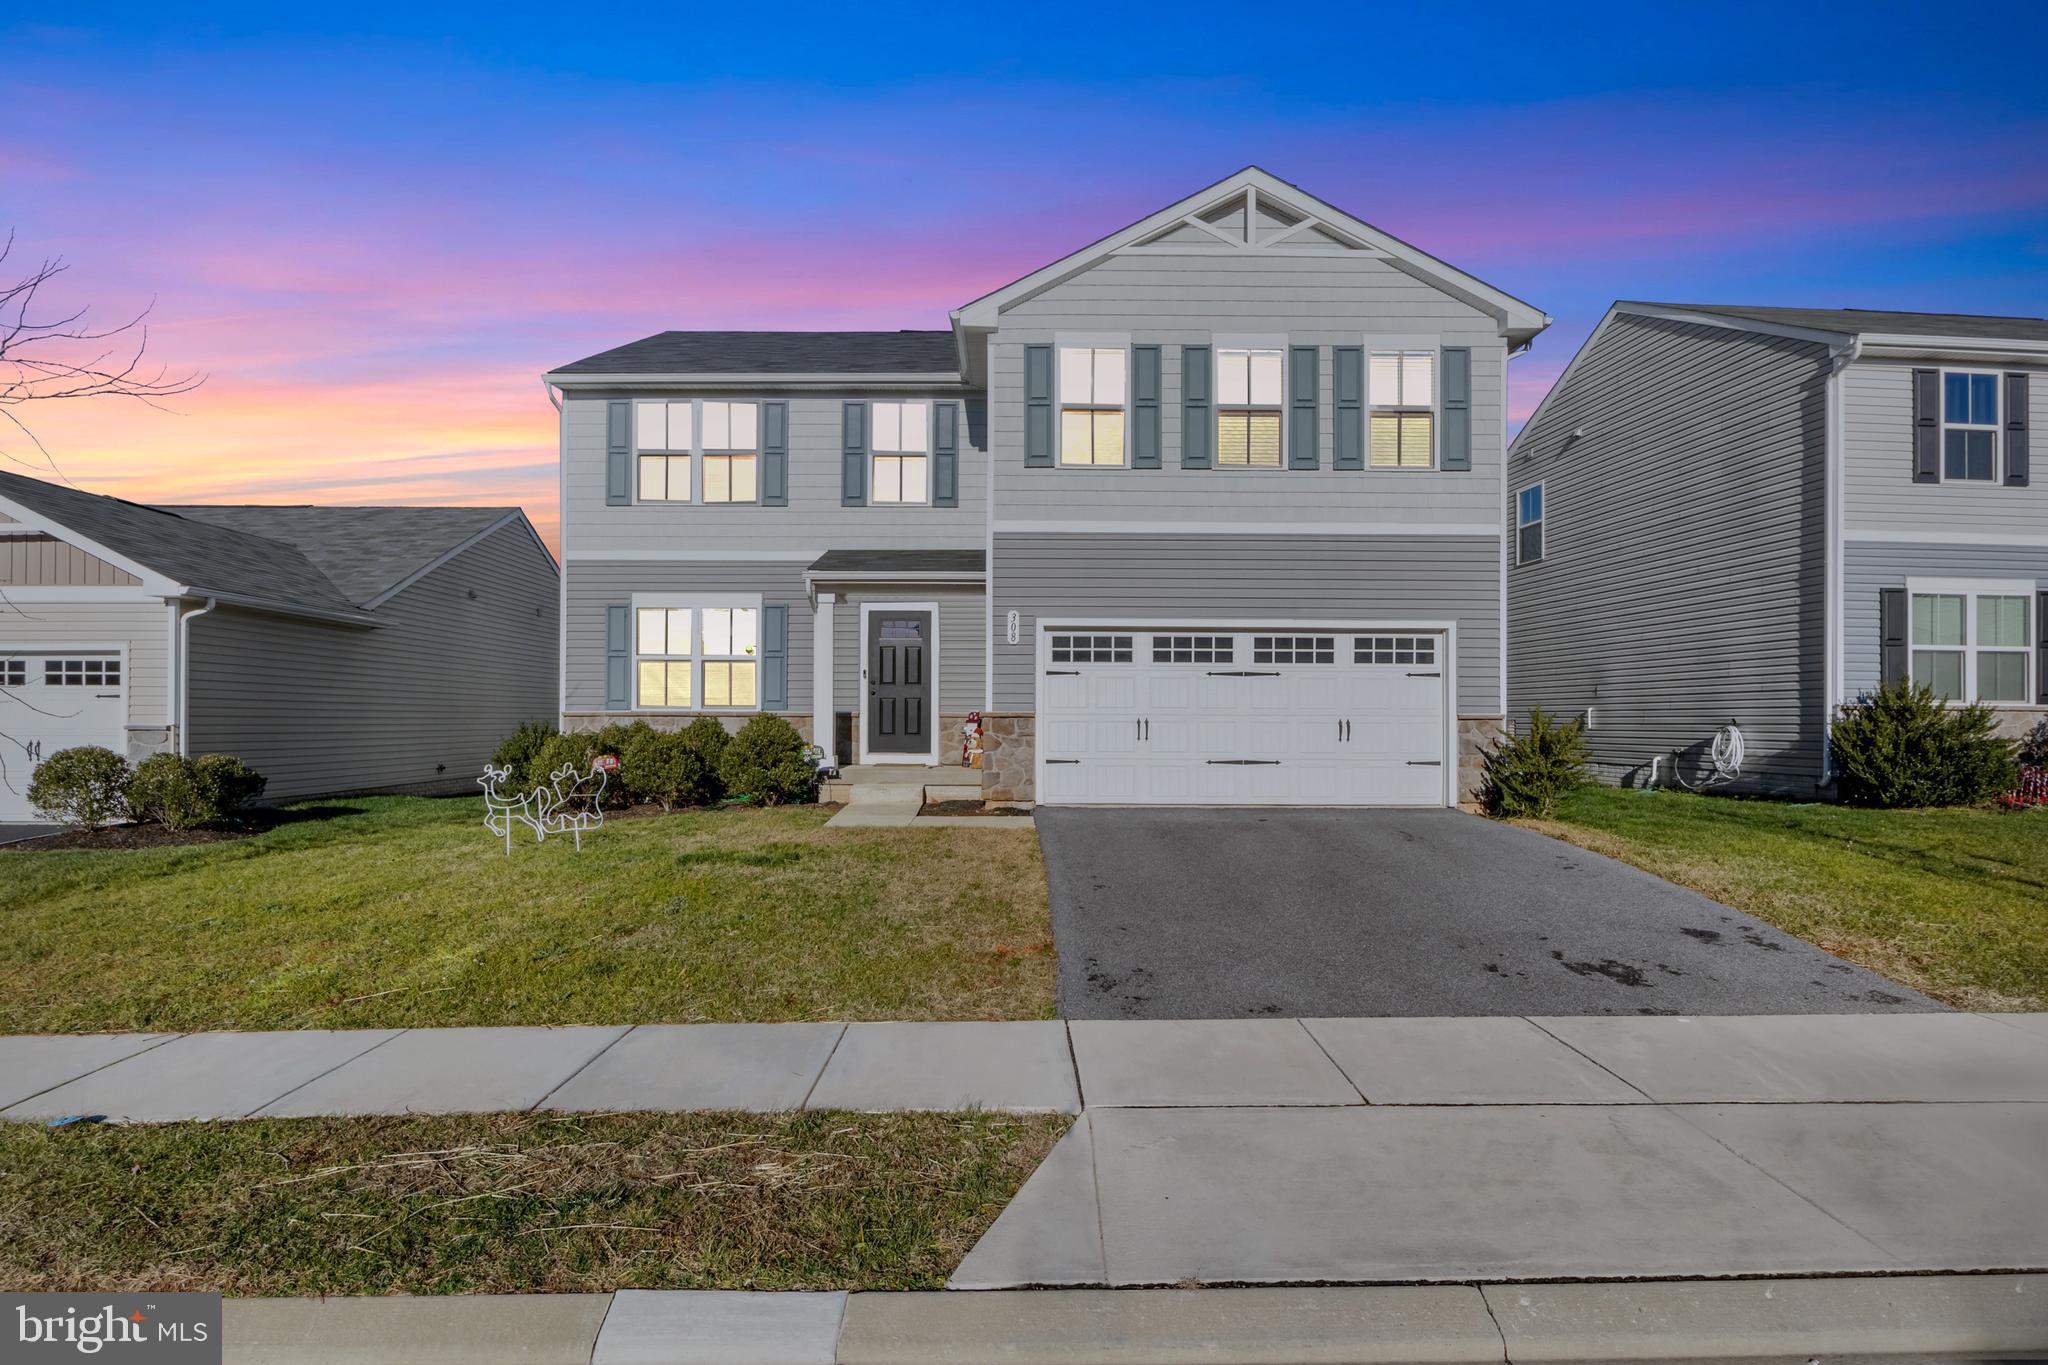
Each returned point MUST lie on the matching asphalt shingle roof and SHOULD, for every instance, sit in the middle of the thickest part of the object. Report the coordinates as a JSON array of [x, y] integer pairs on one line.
[[776, 353], [853, 563], [1857, 321], [324, 560]]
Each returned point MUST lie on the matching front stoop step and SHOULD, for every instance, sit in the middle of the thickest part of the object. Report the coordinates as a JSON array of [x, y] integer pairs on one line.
[[892, 783]]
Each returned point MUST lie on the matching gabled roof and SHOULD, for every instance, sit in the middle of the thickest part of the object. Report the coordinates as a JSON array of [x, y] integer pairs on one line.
[[1302, 215], [1871, 322], [335, 563], [681, 354]]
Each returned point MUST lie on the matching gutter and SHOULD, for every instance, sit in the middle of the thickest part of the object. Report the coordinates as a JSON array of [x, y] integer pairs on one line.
[[851, 379]]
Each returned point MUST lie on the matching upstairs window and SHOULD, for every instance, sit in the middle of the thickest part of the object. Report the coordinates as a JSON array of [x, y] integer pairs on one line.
[[1092, 391], [731, 445], [1969, 426], [1529, 524], [1248, 408], [1974, 644], [902, 448], [661, 436], [1403, 409]]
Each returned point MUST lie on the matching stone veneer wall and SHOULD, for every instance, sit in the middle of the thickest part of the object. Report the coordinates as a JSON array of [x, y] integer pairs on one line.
[[1475, 734], [1008, 771]]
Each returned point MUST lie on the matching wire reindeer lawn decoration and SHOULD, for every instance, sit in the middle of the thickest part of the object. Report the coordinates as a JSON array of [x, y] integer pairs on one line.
[[567, 803]]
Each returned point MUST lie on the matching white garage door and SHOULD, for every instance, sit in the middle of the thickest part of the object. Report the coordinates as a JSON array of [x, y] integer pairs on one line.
[[54, 701], [1228, 716]]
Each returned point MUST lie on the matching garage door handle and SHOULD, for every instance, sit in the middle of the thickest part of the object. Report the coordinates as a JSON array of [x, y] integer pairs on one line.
[[1240, 673], [1425, 675], [1062, 672], [1063, 760], [1244, 762], [1425, 763]]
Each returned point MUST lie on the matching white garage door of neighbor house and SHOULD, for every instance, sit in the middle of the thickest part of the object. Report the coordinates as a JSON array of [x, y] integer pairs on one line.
[[1229, 716], [54, 701]]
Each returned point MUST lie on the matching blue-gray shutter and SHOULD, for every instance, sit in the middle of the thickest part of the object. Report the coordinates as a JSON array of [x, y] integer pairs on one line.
[[946, 455], [1145, 437], [618, 657], [775, 454], [1197, 433], [618, 453], [853, 476], [2016, 430], [1304, 437], [1038, 406], [1456, 449], [1926, 426], [774, 656], [1350, 376], [1891, 625]]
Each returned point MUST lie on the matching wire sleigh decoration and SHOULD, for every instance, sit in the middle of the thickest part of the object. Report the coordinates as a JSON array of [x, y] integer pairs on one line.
[[567, 803]]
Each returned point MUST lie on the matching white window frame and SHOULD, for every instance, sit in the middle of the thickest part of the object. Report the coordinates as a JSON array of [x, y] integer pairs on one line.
[[1433, 348], [1541, 523], [1970, 589], [876, 454], [668, 451], [707, 452], [1994, 426], [696, 604], [1061, 400], [1217, 346]]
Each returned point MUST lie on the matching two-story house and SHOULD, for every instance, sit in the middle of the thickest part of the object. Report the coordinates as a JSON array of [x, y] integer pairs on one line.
[[1206, 512], [1755, 515]]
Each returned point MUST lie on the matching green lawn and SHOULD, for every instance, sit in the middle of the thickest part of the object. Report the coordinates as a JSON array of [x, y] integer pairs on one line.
[[404, 911], [505, 1203], [1951, 902]]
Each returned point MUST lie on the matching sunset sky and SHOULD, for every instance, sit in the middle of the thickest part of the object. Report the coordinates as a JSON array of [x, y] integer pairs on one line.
[[373, 231]]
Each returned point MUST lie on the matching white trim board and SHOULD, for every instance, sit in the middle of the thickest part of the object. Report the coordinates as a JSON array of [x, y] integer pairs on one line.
[[860, 711], [1291, 529], [1875, 536]]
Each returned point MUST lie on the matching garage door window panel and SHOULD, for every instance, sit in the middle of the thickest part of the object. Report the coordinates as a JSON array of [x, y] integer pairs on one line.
[[1193, 649], [81, 672], [1394, 649], [1091, 649], [1294, 649], [13, 673]]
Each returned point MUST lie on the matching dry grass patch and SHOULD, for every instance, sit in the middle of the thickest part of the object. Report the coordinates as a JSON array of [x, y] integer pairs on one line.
[[510, 1203]]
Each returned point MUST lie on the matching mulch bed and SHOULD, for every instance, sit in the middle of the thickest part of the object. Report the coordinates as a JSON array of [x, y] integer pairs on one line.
[[970, 808], [130, 836]]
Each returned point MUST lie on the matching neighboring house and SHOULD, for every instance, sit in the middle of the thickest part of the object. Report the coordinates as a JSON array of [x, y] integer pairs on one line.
[[1206, 512], [335, 649], [1754, 515]]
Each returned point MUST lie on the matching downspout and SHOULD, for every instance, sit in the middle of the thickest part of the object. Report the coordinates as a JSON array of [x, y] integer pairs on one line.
[[184, 678], [562, 534], [1833, 567]]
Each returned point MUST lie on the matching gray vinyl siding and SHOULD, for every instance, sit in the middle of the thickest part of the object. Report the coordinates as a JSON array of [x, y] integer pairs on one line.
[[963, 645], [1246, 579], [143, 627], [1868, 569], [1178, 300], [594, 585], [1682, 580], [814, 521], [415, 704], [1877, 455], [47, 562]]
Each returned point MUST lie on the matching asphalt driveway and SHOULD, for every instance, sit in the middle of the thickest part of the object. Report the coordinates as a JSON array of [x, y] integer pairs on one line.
[[1224, 914]]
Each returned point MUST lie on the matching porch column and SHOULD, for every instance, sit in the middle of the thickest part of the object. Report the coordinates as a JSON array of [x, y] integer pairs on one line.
[[821, 676]]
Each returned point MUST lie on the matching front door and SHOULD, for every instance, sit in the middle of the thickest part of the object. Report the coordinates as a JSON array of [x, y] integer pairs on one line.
[[899, 682]]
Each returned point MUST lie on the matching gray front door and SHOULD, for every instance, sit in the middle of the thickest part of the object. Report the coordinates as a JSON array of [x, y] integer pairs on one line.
[[899, 682]]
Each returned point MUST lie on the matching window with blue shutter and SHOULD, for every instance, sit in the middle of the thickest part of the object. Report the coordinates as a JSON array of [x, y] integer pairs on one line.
[[946, 455], [1197, 434], [1304, 434], [775, 454], [618, 657], [774, 656], [1038, 407], [1350, 386], [853, 475], [1145, 389], [618, 453], [1456, 448]]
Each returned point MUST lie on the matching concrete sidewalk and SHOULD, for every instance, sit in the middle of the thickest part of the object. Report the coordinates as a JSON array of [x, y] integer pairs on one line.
[[1760, 1322], [1032, 1065]]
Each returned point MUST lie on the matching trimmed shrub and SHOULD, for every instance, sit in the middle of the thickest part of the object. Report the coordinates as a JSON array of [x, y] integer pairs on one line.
[[81, 787], [557, 750], [517, 749], [1529, 773], [227, 782], [1903, 746], [707, 739], [663, 767], [765, 762], [2033, 748], [164, 789]]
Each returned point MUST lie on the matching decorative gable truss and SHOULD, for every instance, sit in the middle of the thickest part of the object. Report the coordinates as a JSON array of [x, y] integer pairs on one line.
[[1245, 222]]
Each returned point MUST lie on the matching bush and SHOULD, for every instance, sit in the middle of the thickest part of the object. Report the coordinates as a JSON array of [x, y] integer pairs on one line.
[[165, 790], [555, 752], [517, 749], [708, 739], [81, 787], [1901, 746], [227, 782], [1528, 774], [765, 762], [2033, 750], [667, 768]]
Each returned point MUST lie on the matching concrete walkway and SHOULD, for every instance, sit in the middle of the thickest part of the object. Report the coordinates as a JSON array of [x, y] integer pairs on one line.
[[1758, 1322]]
